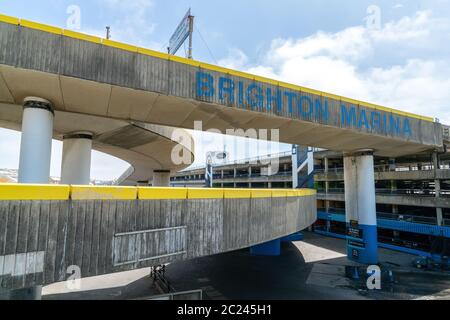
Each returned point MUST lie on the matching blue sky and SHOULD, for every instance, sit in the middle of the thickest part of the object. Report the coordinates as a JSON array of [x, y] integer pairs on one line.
[[403, 62]]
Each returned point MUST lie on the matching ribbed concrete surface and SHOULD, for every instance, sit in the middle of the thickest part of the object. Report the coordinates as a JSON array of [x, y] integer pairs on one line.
[[96, 79], [39, 240]]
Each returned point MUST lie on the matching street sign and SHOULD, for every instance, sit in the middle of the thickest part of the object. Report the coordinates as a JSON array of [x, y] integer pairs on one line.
[[183, 31]]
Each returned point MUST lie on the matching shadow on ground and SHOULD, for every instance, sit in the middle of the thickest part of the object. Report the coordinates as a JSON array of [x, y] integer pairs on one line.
[[311, 269]]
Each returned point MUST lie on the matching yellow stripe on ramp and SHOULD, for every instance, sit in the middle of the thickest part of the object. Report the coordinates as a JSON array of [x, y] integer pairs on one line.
[[197, 193], [148, 193], [103, 193], [34, 192]]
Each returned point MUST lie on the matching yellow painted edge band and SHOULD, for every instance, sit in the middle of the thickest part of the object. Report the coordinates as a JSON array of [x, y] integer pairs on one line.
[[65, 192], [306, 192], [41, 27], [148, 193], [292, 193], [34, 192], [261, 193], [279, 193], [103, 193], [207, 66], [237, 193], [82, 36], [152, 53], [119, 45], [194, 193], [10, 20]]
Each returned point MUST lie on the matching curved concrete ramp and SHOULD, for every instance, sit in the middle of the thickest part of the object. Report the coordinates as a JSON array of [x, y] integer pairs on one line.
[[145, 147], [47, 229], [87, 75]]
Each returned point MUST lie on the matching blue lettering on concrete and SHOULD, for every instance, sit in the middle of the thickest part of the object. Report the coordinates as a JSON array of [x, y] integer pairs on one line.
[[363, 120], [291, 96], [348, 119], [255, 96], [230, 92], [277, 99], [205, 85], [407, 128], [226, 86], [394, 125], [308, 112], [241, 94], [322, 110], [375, 121]]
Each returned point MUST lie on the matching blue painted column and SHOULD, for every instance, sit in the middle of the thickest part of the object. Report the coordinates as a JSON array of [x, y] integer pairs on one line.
[[271, 248], [360, 207]]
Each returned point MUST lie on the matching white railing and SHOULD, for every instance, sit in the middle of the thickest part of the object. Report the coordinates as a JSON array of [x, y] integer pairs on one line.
[[245, 161]]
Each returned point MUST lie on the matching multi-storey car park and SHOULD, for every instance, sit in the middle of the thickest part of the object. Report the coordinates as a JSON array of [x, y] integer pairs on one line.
[[412, 195]]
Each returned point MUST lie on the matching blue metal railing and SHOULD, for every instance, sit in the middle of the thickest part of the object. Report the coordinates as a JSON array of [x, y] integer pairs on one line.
[[429, 193], [399, 222]]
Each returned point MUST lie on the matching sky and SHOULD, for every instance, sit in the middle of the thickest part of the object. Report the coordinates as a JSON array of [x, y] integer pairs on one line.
[[394, 53]]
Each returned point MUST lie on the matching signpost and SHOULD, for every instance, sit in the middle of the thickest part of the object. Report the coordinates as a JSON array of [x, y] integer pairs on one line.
[[210, 162], [184, 30]]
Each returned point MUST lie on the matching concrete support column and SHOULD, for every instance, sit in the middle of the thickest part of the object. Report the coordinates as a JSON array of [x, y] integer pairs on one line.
[[271, 248], [435, 158], [161, 178], [392, 164], [327, 183], [76, 158], [36, 141], [437, 189], [439, 216], [395, 209], [361, 218], [269, 185], [393, 186]]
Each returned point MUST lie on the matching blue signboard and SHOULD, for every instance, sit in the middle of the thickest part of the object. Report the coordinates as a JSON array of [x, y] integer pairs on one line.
[[181, 34]]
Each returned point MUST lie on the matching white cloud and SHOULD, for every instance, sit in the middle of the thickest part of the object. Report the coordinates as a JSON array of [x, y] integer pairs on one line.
[[401, 65], [130, 21], [236, 59]]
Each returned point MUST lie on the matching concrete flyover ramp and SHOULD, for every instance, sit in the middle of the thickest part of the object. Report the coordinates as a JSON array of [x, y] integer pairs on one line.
[[111, 229], [86, 75], [133, 142]]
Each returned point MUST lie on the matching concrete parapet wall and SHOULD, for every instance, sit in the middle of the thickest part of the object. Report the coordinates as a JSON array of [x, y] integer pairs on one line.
[[417, 201], [394, 175], [46, 229]]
